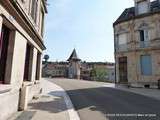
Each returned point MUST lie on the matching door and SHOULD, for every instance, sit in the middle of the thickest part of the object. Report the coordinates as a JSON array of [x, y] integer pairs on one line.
[[123, 78]]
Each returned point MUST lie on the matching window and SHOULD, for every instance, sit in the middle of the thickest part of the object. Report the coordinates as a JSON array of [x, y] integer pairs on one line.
[[41, 22], [144, 38], [34, 10], [122, 42], [142, 7], [122, 39], [146, 65], [4, 42], [23, 1]]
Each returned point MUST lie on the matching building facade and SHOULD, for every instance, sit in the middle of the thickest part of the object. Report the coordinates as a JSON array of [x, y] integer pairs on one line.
[[55, 69], [137, 44], [21, 46]]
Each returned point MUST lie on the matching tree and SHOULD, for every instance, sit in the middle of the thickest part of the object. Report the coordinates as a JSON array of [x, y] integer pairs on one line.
[[93, 74], [46, 57], [99, 74]]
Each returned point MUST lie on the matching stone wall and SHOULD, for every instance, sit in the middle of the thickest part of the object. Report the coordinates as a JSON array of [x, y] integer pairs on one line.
[[8, 104]]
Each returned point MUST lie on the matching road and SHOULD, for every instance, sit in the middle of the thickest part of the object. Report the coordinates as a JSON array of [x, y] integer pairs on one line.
[[95, 102]]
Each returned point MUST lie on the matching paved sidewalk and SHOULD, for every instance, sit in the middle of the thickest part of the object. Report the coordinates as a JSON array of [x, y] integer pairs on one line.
[[53, 104], [153, 93]]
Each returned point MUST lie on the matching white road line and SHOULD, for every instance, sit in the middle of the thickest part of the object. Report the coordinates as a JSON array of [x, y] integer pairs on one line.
[[73, 115]]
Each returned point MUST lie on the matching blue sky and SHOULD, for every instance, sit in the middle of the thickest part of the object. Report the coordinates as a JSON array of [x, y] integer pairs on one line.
[[82, 24]]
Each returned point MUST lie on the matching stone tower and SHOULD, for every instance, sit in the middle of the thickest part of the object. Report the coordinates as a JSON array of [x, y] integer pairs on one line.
[[74, 66]]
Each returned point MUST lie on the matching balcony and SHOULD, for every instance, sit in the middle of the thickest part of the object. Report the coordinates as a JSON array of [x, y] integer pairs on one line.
[[153, 44], [145, 44]]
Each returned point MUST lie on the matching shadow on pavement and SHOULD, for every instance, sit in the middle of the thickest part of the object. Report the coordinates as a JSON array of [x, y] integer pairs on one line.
[[47, 103], [115, 104], [26, 115]]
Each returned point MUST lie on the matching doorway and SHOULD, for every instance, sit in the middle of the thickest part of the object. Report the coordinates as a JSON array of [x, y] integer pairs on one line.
[[123, 78], [4, 41], [27, 62]]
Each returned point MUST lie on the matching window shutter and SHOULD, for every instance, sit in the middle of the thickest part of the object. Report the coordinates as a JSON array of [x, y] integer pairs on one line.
[[146, 65], [122, 39], [146, 35]]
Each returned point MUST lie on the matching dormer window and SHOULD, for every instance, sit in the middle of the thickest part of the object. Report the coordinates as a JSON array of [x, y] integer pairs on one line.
[[142, 7]]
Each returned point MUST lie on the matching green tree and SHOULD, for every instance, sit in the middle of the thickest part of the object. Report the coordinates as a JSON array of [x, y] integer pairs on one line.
[[46, 57], [93, 74], [99, 74]]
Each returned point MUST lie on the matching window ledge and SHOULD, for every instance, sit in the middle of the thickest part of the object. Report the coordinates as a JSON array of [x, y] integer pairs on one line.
[[37, 82], [26, 83], [5, 88]]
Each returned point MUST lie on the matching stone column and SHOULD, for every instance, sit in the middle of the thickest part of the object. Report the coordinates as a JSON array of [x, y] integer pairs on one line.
[[1, 23], [32, 64], [38, 66]]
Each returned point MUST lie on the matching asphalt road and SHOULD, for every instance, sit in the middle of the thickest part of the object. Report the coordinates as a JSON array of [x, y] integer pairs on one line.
[[95, 102]]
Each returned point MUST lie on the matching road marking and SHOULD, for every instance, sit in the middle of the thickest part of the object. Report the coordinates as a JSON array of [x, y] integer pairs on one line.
[[73, 115], [109, 85]]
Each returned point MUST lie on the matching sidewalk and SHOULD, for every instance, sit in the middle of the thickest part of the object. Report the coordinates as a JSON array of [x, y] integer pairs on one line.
[[153, 93], [53, 104]]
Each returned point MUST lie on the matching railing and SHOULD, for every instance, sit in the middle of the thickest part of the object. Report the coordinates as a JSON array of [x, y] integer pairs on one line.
[[144, 44]]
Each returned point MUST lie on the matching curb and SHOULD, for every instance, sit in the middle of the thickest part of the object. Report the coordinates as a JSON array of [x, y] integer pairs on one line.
[[73, 115], [71, 110]]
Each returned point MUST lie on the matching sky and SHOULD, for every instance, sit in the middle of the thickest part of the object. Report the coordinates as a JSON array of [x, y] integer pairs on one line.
[[86, 25]]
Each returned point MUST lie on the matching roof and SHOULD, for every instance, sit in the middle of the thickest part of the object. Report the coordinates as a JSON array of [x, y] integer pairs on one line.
[[45, 5], [74, 56], [129, 13]]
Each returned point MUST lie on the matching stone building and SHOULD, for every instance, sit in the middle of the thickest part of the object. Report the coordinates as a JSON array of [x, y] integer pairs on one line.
[[55, 69], [69, 69], [21, 46], [74, 66], [87, 67], [137, 44]]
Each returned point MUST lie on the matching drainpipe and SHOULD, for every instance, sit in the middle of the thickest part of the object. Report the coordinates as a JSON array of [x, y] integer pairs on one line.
[[115, 81]]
